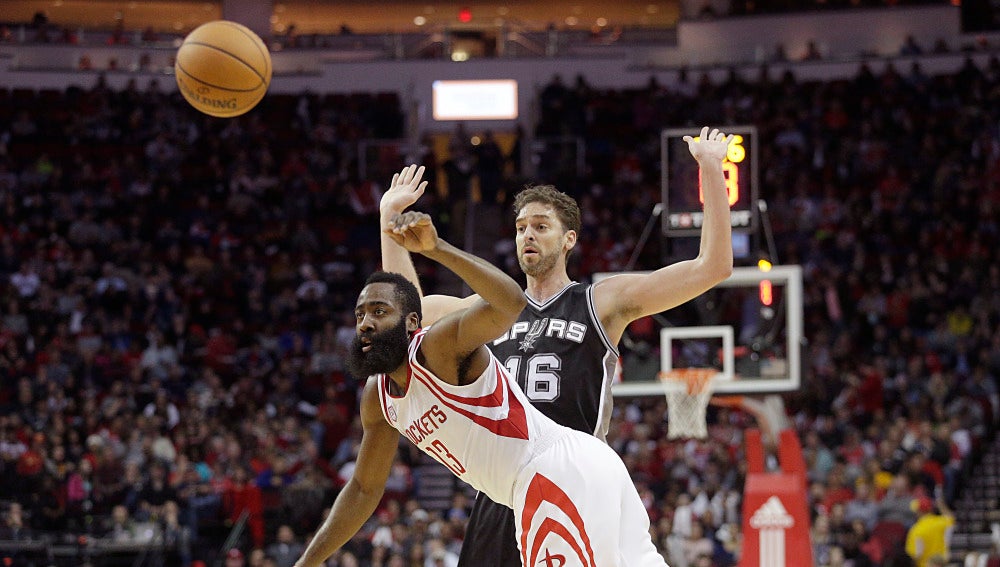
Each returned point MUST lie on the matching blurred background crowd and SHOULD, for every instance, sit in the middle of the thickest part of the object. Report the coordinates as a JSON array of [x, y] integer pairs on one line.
[[178, 296]]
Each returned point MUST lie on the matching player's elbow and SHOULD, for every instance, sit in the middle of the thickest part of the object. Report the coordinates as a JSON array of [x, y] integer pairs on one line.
[[724, 269], [511, 306], [522, 300], [717, 269], [368, 493], [517, 303], [510, 296]]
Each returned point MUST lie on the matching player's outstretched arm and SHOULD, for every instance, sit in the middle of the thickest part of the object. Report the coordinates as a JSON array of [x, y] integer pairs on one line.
[[405, 189], [716, 251], [361, 495], [624, 298], [500, 298]]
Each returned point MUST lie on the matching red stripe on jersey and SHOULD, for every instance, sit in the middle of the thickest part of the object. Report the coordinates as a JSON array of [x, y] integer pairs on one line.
[[388, 411], [515, 425], [542, 490], [383, 395], [550, 525], [491, 400]]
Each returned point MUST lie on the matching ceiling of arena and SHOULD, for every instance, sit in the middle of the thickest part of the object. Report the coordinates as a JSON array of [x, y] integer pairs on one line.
[[322, 16]]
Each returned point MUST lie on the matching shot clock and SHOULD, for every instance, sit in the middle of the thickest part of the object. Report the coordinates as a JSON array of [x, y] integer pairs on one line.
[[682, 195]]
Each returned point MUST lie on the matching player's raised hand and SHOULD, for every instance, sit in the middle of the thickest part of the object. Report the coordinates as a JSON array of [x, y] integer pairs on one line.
[[412, 230], [709, 145], [405, 189]]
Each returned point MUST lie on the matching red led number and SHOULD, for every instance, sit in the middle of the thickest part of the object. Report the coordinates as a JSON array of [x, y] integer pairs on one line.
[[734, 155]]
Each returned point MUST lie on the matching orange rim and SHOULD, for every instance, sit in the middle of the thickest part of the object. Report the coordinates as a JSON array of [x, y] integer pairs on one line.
[[727, 401], [694, 379]]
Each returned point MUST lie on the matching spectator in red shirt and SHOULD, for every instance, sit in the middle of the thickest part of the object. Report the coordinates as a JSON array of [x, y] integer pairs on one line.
[[241, 494]]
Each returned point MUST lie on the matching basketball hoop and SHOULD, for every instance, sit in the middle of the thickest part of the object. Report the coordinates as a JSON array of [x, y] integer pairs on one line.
[[688, 391]]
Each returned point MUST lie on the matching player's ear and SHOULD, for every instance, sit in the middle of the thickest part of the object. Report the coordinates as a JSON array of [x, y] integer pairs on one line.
[[412, 322], [570, 239]]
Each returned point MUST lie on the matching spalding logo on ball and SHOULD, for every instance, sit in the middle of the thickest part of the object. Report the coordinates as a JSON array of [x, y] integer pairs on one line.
[[223, 68]]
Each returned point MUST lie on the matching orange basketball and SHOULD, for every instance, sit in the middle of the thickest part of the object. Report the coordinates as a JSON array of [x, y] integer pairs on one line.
[[223, 68]]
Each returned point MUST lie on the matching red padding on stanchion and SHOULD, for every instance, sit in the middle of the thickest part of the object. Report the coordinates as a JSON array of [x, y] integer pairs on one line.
[[755, 452], [775, 510]]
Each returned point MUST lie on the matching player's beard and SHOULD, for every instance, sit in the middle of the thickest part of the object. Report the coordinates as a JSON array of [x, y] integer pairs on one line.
[[387, 353], [545, 264]]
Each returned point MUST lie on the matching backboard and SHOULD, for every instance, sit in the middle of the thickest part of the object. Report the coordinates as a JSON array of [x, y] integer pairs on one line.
[[748, 327]]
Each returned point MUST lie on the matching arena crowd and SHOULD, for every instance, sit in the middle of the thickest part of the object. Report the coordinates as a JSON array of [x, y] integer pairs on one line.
[[178, 296]]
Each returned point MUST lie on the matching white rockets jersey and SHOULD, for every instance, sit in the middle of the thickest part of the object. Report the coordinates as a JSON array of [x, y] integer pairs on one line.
[[484, 432]]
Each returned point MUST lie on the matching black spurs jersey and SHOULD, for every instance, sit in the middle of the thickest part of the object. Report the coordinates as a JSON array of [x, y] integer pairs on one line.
[[564, 363], [562, 359]]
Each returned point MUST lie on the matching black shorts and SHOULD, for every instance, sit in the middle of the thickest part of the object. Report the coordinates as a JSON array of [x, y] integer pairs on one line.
[[490, 537]]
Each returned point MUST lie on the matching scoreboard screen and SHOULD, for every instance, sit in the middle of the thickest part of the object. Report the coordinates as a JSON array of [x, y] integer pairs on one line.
[[681, 180]]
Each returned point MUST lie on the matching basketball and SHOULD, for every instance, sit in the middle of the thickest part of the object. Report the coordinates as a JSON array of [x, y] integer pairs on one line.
[[223, 68]]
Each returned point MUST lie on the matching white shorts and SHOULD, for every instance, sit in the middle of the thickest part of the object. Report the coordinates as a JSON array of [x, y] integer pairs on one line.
[[575, 505]]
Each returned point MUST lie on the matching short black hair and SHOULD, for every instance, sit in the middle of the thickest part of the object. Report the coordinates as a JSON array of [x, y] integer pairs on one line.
[[406, 292]]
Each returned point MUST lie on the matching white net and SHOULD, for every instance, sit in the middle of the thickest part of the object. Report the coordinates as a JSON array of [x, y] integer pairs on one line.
[[688, 391]]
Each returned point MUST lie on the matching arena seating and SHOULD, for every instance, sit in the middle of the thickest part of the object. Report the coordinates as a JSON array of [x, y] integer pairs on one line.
[[160, 313]]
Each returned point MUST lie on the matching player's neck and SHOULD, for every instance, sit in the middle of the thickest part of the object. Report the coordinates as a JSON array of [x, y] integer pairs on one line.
[[400, 377], [542, 288]]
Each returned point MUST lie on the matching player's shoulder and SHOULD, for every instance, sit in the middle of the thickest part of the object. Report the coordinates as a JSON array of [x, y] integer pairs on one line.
[[372, 385], [371, 402], [616, 286], [613, 280], [571, 292]]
